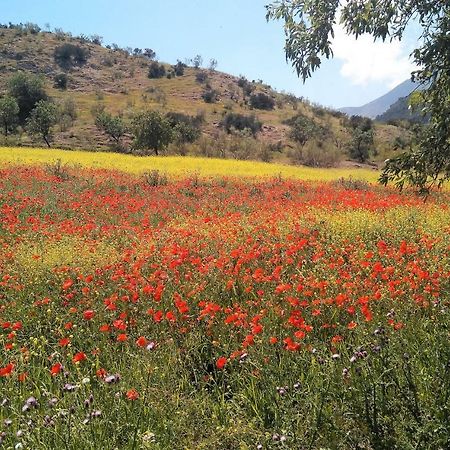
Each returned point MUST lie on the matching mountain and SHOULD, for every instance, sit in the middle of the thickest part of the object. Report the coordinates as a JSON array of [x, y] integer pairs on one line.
[[381, 104]]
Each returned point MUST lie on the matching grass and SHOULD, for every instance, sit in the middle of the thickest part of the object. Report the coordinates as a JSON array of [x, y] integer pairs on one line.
[[271, 314], [177, 165]]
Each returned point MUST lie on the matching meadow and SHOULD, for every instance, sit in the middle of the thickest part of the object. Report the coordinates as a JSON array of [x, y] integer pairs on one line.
[[230, 305]]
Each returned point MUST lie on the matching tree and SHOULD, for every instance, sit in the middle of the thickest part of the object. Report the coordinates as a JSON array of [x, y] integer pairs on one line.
[[113, 126], [303, 129], [197, 61], [309, 26], [9, 114], [149, 53], [28, 90], [151, 131], [212, 64], [42, 119], [361, 144]]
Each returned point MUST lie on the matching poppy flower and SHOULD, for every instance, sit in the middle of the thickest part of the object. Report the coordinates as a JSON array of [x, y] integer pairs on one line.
[[7, 370], [56, 368], [141, 342], [64, 342], [122, 337], [220, 363], [89, 314], [78, 357], [132, 394]]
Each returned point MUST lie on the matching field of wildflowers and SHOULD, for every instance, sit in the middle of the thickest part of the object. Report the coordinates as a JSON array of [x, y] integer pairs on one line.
[[221, 313]]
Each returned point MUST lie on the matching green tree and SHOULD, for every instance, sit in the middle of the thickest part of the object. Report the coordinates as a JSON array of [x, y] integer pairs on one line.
[[42, 119], [309, 27], [361, 144], [151, 132], [9, 114], [28, 90], [113, 126]]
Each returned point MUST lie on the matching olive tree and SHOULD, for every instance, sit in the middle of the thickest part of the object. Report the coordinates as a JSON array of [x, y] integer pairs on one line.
[[309, 27], [151, 132], [42, 119], [9, 114]]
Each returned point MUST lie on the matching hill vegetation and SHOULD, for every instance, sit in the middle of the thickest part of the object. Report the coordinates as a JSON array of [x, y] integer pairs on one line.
[[101, 94]]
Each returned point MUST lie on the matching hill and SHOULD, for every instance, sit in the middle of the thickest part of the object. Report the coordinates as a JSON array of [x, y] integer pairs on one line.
[[400, 110], [117, 80], [381, 104]]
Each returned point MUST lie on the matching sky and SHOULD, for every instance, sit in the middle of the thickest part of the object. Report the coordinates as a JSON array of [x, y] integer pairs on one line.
[[236, 34]]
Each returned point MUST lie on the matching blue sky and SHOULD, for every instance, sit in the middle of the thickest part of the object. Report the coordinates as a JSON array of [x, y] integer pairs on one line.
[[234, 32]]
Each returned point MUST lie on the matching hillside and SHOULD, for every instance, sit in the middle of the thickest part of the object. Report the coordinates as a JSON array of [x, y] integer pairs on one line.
[[400, 110], [383, 103], [117, 81]]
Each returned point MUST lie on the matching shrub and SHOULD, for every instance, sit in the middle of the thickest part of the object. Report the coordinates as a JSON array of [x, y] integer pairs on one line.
[[317, 154], [210, 95], [201, 77], [60, 81], [186, 128], [69, 55], [156, 70], [155, 178], [178, 69], [113, 126], [262, 101], [241, 122]]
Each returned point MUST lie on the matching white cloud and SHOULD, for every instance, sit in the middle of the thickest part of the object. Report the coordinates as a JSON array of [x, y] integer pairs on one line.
[[366, 61]]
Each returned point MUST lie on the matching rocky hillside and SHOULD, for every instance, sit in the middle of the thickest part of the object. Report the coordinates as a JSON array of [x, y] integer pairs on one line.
[[117, 80]]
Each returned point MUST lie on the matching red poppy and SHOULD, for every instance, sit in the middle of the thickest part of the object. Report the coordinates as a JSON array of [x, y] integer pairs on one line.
[[56, 368], [89, 314], [64, 342], [142, 341], [78, 357], [7, 370], [132, 394], [122, 337], [220, 363]]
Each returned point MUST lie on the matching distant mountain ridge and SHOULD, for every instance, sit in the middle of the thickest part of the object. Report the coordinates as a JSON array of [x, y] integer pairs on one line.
[[380, 105]]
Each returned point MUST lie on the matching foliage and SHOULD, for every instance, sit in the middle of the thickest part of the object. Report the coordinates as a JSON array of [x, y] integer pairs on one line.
[[241, 122], [361, 144], [42, 119], [201, 76], [68, 55], [151, 132], [60, 81], [113, 126], [247, 86], [304, 128], [178, 69], [156, 70], [149, 53], [9, 114], [261, 100], [210, 95], [309, 29], [187, 129], [28, 90]]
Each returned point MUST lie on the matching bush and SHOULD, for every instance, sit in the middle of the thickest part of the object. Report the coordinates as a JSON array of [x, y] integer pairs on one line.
[[178, 69], [155, 178], [262, 101], [156, 70], [186, 128], [210, 95], [241, 122], [69, 55], [60, 81], [317, 154], [201, 77]]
